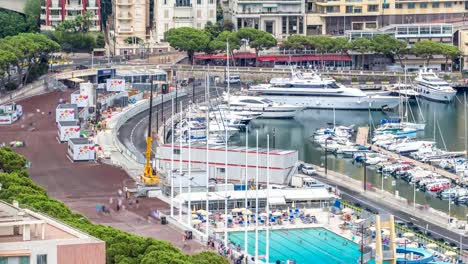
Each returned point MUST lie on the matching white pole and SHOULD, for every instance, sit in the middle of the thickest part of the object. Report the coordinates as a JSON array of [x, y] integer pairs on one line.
[[189, 178], [92, 59], [172, 158], [225, 184], [466, 127], [246, 237], [449, 209], [228, 75], [207, 154], [256, 205], [414, 196], [180, 162], [267, 243]]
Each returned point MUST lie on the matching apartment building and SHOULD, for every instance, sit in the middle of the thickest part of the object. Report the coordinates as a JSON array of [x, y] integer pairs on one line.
[[334, 17], [54, 12], [278, 17], [138, 26], [28, 237]]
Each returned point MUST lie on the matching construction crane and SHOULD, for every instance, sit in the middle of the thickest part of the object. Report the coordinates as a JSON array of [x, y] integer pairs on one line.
[[150, 177]]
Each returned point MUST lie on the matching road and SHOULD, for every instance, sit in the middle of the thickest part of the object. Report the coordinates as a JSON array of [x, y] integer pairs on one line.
[[381, 207], [133, 133]]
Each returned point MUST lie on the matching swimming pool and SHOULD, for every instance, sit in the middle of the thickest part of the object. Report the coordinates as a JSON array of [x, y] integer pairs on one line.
[[311, 245]]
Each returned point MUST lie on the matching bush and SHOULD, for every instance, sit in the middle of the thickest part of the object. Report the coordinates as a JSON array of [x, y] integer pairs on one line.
[[121, 247], [100, 41], [10, 86]]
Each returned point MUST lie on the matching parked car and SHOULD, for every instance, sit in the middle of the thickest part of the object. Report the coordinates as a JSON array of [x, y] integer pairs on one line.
[[233, 79], [308, 169]]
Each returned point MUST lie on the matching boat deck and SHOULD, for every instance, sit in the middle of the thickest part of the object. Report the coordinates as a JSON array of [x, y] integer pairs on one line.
[[415, 162]]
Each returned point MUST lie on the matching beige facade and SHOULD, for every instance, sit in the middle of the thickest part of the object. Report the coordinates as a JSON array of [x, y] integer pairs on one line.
[[138, 26], [334, 17], [30, 237]]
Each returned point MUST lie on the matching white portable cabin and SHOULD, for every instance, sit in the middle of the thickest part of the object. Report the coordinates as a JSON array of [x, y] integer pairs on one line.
[[283, 163], [66, 112], [79, 99], [9, 113], [81, 149], [67, 130]]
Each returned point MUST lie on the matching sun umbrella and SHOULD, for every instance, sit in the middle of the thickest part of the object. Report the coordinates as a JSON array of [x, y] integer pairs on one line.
[[237, 210], [246, 211], [308, 211], [386, 232], [347, 210], [431, 245], [412, 245], [263, 214], [372, 228], [194, 216], [408, 234], [196, 221], [277, 213], [226, 216], [202, 212], [450, 254]]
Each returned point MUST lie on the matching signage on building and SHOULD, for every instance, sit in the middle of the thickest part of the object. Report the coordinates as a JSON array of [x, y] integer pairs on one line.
[[115, 85], [106, 72]]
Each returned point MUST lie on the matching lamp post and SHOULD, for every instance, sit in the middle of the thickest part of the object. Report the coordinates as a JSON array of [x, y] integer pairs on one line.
[[326, 155], [365, 171]]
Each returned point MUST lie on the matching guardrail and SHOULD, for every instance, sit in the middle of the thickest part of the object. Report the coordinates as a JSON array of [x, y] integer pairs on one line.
[[136, 109]]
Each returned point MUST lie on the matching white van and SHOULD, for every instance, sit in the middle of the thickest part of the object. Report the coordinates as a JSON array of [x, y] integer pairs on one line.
[[234, 79]]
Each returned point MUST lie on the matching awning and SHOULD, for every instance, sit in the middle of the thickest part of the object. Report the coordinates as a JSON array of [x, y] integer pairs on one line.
[[270, 5], [77, 80], [277, 200]]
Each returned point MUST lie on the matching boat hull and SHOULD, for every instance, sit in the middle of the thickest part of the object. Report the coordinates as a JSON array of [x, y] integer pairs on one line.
[[344, 103], [433, 95]]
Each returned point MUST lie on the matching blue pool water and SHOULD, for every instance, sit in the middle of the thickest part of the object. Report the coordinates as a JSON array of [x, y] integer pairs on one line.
[[311, 245]]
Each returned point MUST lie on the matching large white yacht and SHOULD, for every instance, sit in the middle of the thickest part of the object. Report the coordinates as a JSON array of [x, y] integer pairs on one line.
[[267, 108], [310, 90], [431, 87]]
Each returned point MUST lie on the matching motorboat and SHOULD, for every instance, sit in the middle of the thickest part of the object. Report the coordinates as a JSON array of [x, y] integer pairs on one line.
[[432, 87], [311, 90], [266, 107]]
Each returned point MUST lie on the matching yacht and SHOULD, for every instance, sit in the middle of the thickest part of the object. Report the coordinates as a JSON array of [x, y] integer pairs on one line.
[[431, 87], [266, 107], [310, 90]]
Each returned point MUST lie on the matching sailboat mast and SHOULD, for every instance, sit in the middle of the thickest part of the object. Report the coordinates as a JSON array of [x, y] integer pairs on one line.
[[228, 76], [466, 127]]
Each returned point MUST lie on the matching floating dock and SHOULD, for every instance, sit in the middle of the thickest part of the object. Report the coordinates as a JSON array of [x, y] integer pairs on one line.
[[362, 136]]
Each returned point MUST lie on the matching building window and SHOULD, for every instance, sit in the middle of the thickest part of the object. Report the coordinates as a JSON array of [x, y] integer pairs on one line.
[[199, 2], [349, 9], [41, 259], [301, 25], [330, 9], [176, 152], [411, 5], [166, 13], [220, 170], [448, 4], [358, 10], [211, 1], [199, 25], [211, 13], [372, 8], [386, 6], [435, 5], [166, 27], [423, 5], [284, 23], [292, 25], [398, 5], [199, 14]]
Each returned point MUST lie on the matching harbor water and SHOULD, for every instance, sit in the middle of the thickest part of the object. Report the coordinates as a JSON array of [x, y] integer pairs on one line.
[[449, 124]]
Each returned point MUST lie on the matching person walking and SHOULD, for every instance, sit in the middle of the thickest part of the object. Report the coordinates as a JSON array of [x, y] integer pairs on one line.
[[98, 208]]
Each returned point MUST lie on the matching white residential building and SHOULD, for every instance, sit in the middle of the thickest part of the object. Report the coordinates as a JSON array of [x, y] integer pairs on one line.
[[54, 12], [278, 17], [138, 26]]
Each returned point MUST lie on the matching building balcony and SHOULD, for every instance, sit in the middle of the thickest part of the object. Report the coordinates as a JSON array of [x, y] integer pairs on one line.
[[55, 17], [74, 7], [125, 30], [269, 13], [272, 1], [124, 17], [125, 2]]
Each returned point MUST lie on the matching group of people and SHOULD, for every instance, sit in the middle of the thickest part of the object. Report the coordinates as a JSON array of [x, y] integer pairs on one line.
[[119, 205]]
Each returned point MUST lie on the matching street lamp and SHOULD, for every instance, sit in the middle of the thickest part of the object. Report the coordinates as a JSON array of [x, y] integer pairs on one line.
[[365, 171], [326, 155]]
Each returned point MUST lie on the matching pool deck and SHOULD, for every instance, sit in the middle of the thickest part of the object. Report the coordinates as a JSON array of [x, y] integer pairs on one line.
[[331, 223]]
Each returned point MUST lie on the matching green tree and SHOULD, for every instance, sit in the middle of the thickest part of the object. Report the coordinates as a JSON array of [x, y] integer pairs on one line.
[[188, 39], [258, 39], [449, 52], [219, 43], [297, 42], [426, 49], [208, 257], [7, 58], [361, 46], [10, 161], [389, 46], [100, 41], [228, 25], [32, 9], [341, 45], [12, 23], [106, 10], [213, 29], [84, 21]]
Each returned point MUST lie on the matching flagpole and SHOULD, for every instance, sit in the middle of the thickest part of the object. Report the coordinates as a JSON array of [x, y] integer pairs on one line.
[[256, 205], [225, 183], [180, 162], [246, 240], [267, 242], [207, 154], [172, 157]]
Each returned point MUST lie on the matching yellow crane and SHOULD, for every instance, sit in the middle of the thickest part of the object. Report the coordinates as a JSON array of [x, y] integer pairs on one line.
[[150, 176]]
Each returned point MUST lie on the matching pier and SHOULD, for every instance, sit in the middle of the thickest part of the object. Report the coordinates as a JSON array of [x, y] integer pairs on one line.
[[362, 135]]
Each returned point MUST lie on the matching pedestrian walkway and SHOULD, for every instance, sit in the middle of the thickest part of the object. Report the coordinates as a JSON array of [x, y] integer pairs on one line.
[[362, 135]]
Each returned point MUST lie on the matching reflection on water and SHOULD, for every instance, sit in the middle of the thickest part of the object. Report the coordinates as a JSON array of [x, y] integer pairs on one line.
[[296, 134]]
